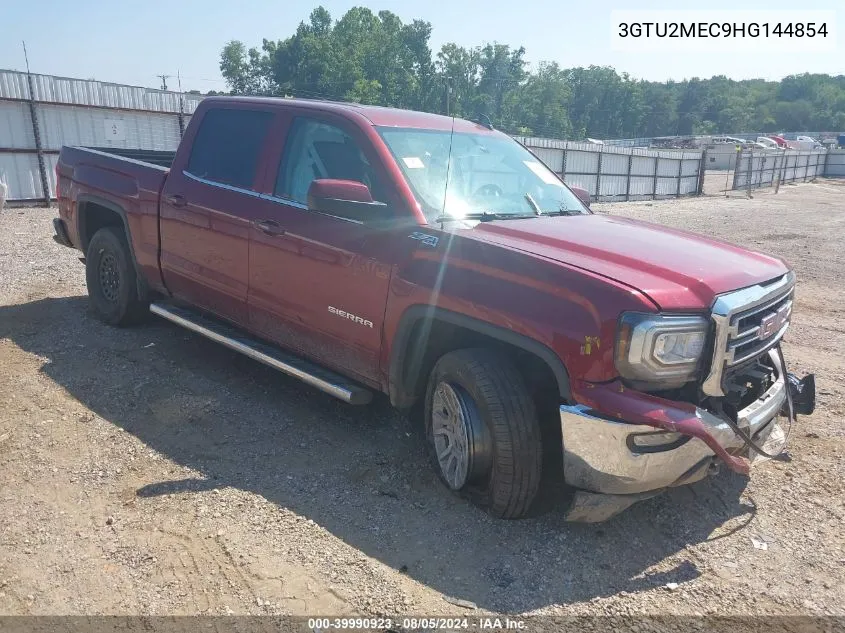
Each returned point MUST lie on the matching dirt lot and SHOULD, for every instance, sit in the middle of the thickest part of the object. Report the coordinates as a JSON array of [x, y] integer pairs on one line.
[[150, 471]]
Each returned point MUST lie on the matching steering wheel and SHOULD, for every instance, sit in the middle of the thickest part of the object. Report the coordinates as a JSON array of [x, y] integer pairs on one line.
[[490, 191]]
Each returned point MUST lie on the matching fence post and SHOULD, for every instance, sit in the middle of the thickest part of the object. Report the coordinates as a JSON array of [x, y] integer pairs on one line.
[[702, 163], [628, 182], [750, 173], [824, 167], [680, 171], [39, 151], [806, 168], [563, 166], [598, 175], [181, 117], [737, 164], [776, 176], [654, 179]]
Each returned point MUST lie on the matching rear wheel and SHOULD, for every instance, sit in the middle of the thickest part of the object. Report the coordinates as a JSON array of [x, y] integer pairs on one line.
[[483, 432], [111, 279]]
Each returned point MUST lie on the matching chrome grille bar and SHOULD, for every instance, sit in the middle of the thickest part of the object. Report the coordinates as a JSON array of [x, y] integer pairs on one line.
[[729, 310]]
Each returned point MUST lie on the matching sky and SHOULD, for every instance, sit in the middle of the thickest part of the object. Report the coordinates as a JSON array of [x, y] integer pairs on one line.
[[131, 41]]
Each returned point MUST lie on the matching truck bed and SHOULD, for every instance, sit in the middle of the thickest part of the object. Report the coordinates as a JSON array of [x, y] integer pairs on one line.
[[154, 157], [125, 181]]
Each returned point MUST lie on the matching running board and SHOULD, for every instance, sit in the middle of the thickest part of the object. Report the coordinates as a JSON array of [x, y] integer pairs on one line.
[[323, 379]]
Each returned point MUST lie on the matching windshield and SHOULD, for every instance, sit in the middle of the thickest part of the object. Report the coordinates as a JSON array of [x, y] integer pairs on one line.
[[487, 174]]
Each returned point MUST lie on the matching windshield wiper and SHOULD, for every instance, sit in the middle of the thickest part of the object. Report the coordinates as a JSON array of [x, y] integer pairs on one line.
[[533, 204], [538, 211], [563, 211], [484, 216]]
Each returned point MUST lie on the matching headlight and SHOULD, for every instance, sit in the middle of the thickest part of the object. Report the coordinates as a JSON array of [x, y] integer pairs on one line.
[[658, 348]]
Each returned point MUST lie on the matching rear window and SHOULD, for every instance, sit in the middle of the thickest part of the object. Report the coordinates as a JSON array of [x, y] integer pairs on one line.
[[227, 146]]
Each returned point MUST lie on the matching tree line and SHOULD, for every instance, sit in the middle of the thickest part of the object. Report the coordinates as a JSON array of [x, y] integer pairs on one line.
[[376, 58]]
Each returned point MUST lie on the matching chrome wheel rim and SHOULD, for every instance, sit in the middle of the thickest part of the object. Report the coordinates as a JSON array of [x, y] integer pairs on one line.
[[109, 275], [451, 428]]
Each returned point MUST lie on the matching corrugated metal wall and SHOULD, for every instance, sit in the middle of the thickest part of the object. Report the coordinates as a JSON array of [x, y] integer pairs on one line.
[[763, 169], [20, 173], [87, 92], [613, 173], [835, 166], [74, 125], [85, 112], [79, 112]]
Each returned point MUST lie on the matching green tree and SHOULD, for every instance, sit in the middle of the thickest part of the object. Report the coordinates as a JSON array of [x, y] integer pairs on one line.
[[376, 58]]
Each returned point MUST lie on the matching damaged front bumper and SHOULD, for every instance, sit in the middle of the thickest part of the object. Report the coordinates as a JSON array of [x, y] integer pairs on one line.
[[660, 444]]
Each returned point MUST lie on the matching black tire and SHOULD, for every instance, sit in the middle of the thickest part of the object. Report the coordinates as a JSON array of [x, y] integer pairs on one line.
[[112, 280], [505, 471]]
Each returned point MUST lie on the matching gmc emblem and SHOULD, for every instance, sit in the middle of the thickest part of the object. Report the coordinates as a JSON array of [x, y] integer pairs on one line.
[[772, 323]]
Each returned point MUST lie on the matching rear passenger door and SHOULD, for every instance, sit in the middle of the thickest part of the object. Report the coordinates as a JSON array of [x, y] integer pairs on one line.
[[207, 205]]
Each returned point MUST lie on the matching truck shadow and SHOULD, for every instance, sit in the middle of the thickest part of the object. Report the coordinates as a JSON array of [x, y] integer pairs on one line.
[[360, 473]]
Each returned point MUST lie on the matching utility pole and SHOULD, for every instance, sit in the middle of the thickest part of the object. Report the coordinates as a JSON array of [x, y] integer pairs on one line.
[[164, 79], [181, 105], [36, 133]]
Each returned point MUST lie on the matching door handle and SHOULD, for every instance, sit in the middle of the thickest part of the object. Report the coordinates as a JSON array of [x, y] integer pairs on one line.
[[176, 200], [269, 227]]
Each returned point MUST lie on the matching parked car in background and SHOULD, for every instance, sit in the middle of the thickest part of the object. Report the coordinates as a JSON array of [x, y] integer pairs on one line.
[[767, 142], [729, 140], [370, 250], [806, 143]]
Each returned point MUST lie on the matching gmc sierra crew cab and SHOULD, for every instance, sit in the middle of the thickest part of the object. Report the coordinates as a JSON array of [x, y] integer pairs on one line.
[[436, 260]]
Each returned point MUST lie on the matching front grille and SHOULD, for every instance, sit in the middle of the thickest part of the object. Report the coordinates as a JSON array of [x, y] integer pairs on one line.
[[748, 323], [751, 340]]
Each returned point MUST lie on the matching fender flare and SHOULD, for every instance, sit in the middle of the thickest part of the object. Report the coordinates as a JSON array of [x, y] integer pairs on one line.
[[400, 385], [86, 198]]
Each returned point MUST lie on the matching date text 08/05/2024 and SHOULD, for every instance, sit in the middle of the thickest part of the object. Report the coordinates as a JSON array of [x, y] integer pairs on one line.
[[416, 623]]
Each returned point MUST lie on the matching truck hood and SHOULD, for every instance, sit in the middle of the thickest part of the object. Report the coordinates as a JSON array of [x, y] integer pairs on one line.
[[676, 269]]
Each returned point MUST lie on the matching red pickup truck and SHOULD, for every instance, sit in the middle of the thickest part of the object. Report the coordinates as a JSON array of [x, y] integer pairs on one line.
[[438, 261]]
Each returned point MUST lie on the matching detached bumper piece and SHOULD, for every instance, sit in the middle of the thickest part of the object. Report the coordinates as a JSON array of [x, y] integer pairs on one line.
[[61, 235], [803, 393], [621, 446]]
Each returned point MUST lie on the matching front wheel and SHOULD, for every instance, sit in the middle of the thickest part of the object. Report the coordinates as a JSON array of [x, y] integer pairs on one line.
[[483, 432], [111, 279]]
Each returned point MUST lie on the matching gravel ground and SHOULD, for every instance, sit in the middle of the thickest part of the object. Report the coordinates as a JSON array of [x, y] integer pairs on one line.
[[149, 471]]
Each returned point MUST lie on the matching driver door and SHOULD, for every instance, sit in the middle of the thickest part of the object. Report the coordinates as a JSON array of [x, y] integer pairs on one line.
[[319, 282]]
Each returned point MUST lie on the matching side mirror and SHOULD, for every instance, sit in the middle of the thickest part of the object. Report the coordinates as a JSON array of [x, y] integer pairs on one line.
[[583, 195], [346, 199]]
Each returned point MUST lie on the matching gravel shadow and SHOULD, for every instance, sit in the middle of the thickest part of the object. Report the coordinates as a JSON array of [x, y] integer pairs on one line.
[[359, 472]]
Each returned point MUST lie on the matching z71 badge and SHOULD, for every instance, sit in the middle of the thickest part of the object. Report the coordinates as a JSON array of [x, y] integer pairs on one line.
[[425, 238]]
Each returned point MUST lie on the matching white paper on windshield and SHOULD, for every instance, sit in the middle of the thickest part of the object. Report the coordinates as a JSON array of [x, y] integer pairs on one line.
[[542, 173], [413, 162]]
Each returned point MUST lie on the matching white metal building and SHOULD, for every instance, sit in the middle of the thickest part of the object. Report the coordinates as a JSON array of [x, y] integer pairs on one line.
[[78, 112]]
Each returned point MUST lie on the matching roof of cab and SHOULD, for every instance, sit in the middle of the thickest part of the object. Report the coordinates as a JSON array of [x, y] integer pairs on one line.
[[377, 115]]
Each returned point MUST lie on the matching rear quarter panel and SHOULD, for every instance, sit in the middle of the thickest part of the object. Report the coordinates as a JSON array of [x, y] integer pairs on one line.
[[119, 183]]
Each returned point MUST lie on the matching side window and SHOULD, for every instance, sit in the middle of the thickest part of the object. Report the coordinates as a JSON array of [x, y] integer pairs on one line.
[[227, 146], [320, 150]]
